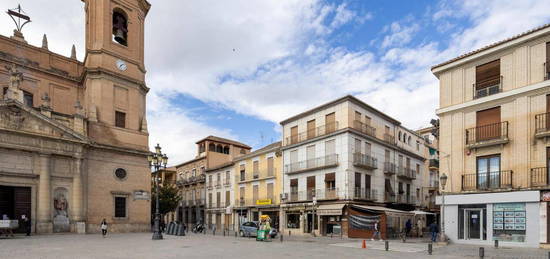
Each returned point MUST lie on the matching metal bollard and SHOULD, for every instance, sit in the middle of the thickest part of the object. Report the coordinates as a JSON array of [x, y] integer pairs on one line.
[[224, 232], [387, 245], [496, 243], [430, 248], [281, 238], [481, 252]]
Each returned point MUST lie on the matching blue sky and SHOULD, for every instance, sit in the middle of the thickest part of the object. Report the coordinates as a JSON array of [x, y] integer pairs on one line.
[[237, 68]]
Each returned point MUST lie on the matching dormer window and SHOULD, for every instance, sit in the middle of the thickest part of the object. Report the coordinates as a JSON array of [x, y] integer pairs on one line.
[[120, 27]]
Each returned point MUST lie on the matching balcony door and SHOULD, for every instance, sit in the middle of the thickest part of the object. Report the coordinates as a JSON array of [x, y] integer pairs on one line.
[[488, 172], [488, 124]]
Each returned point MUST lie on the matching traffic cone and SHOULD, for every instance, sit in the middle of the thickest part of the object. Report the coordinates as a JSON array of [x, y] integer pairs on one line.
[[364, 244]]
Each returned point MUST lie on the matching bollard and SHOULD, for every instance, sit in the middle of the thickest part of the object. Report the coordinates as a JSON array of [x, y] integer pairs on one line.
[[496, 243], [387, 245], [224, 232], [235, 233], [213, 232], [281, 238], [330, 235], [481, 252], [364, 244], [289, 233], [430, 248]]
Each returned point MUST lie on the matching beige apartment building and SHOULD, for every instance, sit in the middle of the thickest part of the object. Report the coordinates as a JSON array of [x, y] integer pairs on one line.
[[212, 152], [494, 141], [430, 177], [73, 134]]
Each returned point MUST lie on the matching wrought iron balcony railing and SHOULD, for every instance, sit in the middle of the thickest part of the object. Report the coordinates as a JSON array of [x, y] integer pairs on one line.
[[406, 173], [364, 194], [312, 164], [364, 161], [319, 194], [309, 134], [490, 86], [434, 164], [364, 128], [406, 199], [390, 168], [389, 138], [487, 181], [487, 135]]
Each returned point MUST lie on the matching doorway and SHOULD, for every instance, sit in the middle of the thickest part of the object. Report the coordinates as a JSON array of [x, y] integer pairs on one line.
[[14, 202], [473, 224]]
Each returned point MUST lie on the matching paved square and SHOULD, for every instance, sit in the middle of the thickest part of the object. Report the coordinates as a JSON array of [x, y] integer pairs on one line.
[[140, 245]]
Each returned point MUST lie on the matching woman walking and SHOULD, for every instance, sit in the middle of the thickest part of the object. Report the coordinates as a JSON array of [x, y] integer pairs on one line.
[[104, 227]]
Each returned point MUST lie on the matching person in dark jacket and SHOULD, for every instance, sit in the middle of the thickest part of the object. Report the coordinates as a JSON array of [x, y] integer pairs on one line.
[[26, 223], [434, 229], [408, 227]]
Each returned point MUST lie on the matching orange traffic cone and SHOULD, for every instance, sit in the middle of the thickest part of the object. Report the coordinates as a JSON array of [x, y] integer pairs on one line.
[[364, 244]]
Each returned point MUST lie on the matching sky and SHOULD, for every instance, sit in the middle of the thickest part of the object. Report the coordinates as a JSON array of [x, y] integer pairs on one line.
[[237, 68]]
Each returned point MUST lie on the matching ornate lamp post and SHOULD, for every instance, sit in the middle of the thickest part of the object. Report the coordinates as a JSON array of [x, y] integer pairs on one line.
[[157, 160], [443, 181]]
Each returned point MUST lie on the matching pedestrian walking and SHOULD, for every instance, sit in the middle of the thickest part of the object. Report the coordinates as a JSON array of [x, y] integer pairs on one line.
[[26, 224], [104, 228], [376, 230], [434, 230], [408, 227]]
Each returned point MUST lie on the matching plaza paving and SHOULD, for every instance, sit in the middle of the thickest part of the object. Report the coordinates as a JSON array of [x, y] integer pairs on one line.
[[140, 245]]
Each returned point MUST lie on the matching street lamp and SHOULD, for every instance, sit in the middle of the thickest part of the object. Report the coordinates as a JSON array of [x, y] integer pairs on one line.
[[157, 160], [443, 181]]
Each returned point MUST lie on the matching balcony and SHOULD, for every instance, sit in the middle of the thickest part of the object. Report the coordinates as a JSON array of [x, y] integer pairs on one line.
[[364, 128], [406, 199], [433, 164], [313, 133], [216, 205], [487, 87], [406, 173], [364, 194], [487, 181], [542, 125], [227, 182], [389, 139], [539, 177], [389, 168], [218, 184], [487, 135], [307, 196], [256, 175], [209, 186], [389, 198], [364, 161], [312, 164]]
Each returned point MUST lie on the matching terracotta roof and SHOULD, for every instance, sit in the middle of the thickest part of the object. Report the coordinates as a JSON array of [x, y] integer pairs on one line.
[[224, 140], [260, 151], [492, 45], [220, 166]]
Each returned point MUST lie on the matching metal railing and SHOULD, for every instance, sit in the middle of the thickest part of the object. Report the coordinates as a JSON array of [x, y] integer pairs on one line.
[[319, 194], [218, 184], [406, 199], [209, 185], [389, 138], [216, 205], [539, 177], [364, 128], [495, 131], [407, 173], [364, 194], [434, 163], [389, 198], [390, 168], [366, 161], [312, 164], [542, 123], [491, 86], [487, 181], [227, 182], [309, 134]]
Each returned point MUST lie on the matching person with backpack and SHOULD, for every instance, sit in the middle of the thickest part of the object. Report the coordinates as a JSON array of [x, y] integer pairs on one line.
[[104, 228]]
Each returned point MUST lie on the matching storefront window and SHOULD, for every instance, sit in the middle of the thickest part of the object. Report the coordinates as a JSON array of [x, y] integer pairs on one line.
[[509, 222], [293, 220]]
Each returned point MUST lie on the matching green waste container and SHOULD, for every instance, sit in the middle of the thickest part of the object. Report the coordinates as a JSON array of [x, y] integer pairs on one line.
[[261, 235]]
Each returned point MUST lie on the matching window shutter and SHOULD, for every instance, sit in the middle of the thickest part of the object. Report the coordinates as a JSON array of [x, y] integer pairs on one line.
[[310, 182], [294, 182], [357, 180], [487, 74], [487, 117], [330, 177]]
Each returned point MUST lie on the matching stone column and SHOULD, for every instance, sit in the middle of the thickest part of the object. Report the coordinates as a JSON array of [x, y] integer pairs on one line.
[[76, 211], [44, 222]]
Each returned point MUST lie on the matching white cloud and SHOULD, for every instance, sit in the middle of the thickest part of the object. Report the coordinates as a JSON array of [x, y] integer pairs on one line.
[[399, 34]]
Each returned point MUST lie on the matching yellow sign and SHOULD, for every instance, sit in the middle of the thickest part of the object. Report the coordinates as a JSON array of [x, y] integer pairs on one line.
[[263, 202]]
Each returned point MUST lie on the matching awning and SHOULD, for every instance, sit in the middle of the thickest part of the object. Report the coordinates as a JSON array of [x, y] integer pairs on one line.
[[330, 209], [382, 209], [419, 212]]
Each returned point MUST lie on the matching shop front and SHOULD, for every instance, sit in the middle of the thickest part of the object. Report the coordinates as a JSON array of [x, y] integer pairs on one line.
[[362, 218], [513, 218], [330, 218]]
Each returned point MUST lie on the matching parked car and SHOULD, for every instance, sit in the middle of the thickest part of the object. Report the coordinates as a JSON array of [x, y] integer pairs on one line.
[[250, 228]]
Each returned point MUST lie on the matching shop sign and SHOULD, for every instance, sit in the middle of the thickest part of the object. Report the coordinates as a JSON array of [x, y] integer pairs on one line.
[[263, 202], [545, 196], [141, 195]]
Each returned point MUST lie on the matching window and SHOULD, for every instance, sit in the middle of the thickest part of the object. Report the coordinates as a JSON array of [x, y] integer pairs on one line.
[[310, 187], [219, 178], [357, 146], [357, 184], [120, 119], [488, 124], [242, 173], [330, 147], [120, 27], [311, 129], [28, 98], [255, 192], [227, 198], [219, 148], [417, 146], [211, 147], [547, 64], [210, 181], [399, 136], [270, 192], [417, 168], [194, 172], [120, 207], [488, 172], [368, 148], [120, 173], [226, 150], [367, 182], [387, 155], [409, 140], [294, 135], [293, 220], [227, 177], [330, 181], [270, 169], [209, 200], [243, 151], [218, 199], [509, 222], [330, 123], [368, 120], [487, 79], [400, 188], [256, 169]]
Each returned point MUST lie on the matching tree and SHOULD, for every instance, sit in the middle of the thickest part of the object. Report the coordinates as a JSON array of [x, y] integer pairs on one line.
[[169, 199]]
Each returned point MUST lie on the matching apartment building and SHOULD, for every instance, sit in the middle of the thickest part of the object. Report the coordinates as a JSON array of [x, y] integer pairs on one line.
[[347, 164], [258, 185], [430, 177], [494, 143], [220, 182], [212, 152]]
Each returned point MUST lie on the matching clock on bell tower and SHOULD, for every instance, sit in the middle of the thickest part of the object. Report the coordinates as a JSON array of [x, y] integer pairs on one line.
[[114, 76]]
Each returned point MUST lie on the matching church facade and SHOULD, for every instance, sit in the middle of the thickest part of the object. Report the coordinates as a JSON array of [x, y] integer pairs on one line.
[[73, 134]]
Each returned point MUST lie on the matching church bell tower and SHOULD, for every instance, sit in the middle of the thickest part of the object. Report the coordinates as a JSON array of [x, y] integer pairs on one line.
[[114, 76]]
